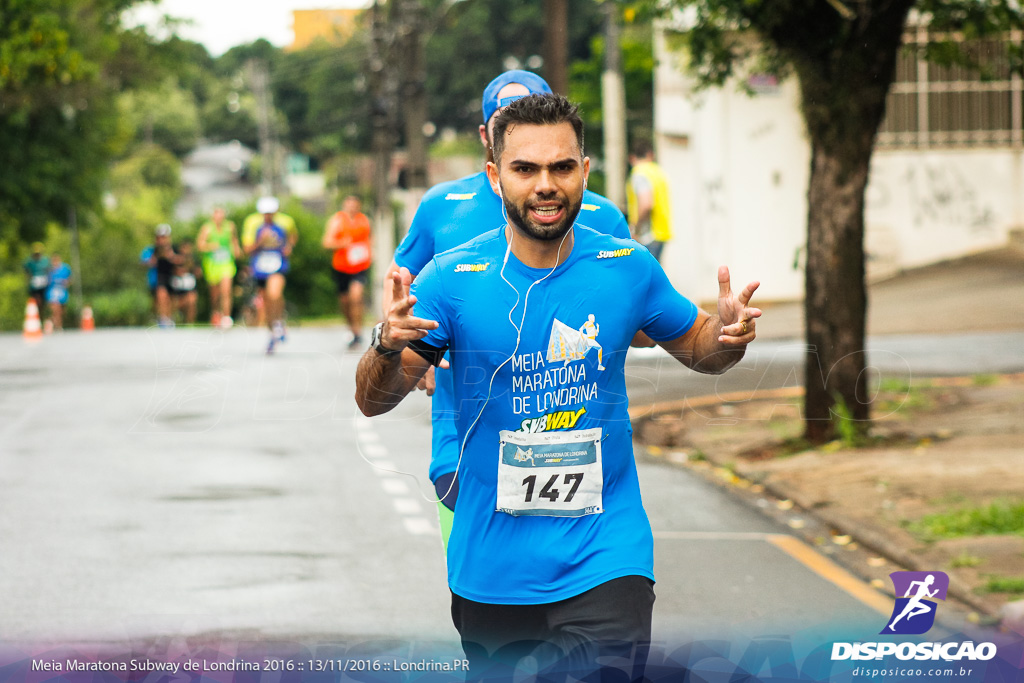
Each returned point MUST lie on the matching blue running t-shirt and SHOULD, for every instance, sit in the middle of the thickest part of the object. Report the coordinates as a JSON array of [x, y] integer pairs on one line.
[[449, 215], [549, 502], [268, 260]]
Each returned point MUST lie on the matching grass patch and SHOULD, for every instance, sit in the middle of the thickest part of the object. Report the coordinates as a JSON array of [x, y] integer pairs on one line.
[[997, 518], [965, 560], [1004, 584], [985, 380], [903, 402], [785, 429]]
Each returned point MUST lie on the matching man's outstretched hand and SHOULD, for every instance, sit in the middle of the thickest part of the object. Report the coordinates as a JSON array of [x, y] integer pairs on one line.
[[737, 317], [401, 326]]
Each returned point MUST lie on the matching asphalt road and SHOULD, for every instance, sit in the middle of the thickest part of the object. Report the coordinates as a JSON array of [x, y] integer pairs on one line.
[[775, 363], [179, 481]]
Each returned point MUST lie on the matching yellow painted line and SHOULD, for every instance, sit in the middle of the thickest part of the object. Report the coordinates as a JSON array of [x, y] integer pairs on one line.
[[830, 571], [802, 553]]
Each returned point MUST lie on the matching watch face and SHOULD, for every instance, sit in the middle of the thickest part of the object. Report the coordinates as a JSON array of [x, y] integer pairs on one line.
[[375, 337]]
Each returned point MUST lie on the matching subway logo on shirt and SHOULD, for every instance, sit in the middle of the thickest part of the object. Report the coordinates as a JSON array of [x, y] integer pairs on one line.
[[616, 253], [559, 419], [471, 267]]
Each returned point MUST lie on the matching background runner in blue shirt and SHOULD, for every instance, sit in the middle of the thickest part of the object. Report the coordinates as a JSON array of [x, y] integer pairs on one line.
[[551, 542], [449, 215], [57, 291]]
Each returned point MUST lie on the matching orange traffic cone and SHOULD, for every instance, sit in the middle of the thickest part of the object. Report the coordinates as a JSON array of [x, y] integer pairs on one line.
[[88, 324], [32, 329]]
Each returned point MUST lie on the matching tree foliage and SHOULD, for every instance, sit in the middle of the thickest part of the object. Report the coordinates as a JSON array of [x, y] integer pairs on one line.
[[165, 114], [843, 53], [57, 117], [472, 42]]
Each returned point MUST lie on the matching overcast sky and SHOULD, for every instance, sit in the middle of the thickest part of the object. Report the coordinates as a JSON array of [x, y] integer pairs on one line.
[[222, 24]]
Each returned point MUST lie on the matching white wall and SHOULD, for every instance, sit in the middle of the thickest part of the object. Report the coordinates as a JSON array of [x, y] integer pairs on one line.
[[739, 165], [925, 207]]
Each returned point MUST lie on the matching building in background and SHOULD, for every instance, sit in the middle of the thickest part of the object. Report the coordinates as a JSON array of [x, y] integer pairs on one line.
[[947, 176], [332, 25]]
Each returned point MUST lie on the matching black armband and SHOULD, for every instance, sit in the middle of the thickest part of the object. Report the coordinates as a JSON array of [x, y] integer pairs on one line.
[[428, 352]]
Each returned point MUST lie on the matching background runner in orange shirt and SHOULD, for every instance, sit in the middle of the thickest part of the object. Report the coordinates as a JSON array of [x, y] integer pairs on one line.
[[348, 234]]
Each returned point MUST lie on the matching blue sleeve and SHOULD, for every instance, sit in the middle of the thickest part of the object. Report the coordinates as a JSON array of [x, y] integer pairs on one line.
[[667, 313], [146, 254], [621, 228], [608, 218], [432, 304], [417, 248]]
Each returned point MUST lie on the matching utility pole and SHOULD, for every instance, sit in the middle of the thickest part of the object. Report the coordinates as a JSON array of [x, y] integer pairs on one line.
[[383, 143], [259, 81], [556, 45], [76, 258], [414, 92], [613, 106]]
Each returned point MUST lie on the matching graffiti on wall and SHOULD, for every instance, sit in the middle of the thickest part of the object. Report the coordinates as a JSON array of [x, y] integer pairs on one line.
[[943, 194], [714, 196]]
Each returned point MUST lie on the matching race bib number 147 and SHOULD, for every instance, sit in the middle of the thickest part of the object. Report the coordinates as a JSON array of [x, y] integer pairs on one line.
[[556, 474]]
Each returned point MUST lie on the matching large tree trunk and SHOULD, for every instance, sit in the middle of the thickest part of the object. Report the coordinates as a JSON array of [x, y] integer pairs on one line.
[[844, 54], [843, 84], [835, 303]]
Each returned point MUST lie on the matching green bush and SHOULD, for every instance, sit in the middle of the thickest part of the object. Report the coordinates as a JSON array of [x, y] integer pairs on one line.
[[124, 307], [13, 295]]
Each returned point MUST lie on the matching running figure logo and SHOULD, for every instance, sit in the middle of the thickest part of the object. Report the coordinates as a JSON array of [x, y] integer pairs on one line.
[[914, 612], [523, 456], [567, 344]]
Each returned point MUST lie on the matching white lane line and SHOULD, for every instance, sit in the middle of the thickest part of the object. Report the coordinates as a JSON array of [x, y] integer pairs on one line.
[[395, 487], [419, 526], [402, 499], [407, 506], [373, 450]]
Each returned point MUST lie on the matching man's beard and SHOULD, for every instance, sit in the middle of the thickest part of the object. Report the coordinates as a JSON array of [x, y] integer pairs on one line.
[[545, 233]]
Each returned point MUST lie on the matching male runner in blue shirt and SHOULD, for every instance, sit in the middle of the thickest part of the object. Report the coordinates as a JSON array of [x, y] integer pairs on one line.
[[551, 543], [451, 214]]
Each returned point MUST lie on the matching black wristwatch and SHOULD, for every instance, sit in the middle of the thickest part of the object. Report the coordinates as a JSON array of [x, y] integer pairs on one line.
[[375, 342]]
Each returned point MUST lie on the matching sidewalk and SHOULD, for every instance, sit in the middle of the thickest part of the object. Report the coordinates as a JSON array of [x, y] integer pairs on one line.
[[939, 446], [983, 292]]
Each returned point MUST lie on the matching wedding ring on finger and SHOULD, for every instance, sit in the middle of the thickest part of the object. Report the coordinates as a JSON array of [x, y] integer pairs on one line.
[[744, 327]]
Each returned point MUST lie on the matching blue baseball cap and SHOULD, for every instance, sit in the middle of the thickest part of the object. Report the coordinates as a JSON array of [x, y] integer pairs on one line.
[[534, 83]]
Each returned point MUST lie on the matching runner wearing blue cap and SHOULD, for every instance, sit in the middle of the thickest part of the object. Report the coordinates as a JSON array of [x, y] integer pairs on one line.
[[551, 552], [451, 214]]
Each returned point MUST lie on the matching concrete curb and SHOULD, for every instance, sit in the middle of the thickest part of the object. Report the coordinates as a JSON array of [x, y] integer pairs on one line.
[[866, 537]]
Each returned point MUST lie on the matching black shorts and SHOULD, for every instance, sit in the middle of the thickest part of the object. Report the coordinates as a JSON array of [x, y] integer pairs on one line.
[[610, 622], [345, 280], [261, 282], [447, 489]]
